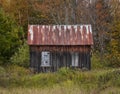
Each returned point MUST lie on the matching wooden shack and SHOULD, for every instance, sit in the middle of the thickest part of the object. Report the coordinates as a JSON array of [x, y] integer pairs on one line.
[[56, 46]]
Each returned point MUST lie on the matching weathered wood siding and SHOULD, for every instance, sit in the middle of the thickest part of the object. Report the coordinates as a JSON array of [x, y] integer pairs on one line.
[[60, 59]]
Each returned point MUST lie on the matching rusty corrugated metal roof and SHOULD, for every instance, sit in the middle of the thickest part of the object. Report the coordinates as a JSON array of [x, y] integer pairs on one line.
[[60, 35]]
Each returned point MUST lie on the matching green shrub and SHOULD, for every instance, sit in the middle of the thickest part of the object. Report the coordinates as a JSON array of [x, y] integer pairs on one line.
[[65, 71], [97, 63], [15, 71], [14, 76], [21, 57], [2, 71]]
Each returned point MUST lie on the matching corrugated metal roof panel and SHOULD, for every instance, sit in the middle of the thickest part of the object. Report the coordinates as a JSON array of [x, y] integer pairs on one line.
[[60, 35]]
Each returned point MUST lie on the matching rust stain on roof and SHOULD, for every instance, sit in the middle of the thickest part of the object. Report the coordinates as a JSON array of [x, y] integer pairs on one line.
[[60, 35]]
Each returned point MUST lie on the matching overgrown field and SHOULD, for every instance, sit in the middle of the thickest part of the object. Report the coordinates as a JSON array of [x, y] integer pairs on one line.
[[17, 80], [59, 90]]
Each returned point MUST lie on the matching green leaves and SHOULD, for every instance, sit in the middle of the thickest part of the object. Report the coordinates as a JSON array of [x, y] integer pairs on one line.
[[21, 57], [9, 39]]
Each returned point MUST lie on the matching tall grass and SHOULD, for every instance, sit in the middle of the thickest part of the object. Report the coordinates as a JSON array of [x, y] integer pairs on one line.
[[59, 90], [65, 81]]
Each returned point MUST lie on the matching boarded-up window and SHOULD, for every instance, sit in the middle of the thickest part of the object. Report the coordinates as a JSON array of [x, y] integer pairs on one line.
[[45, 60]]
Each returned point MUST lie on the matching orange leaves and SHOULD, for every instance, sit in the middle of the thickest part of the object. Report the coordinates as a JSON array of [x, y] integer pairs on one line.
[[99, 6]]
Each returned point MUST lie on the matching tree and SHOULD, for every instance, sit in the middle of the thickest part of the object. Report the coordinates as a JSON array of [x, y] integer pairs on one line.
[[114, 35], [38, 13], [100, 20], [70, 11], [17, 9], [9, 36], [114, 45]]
